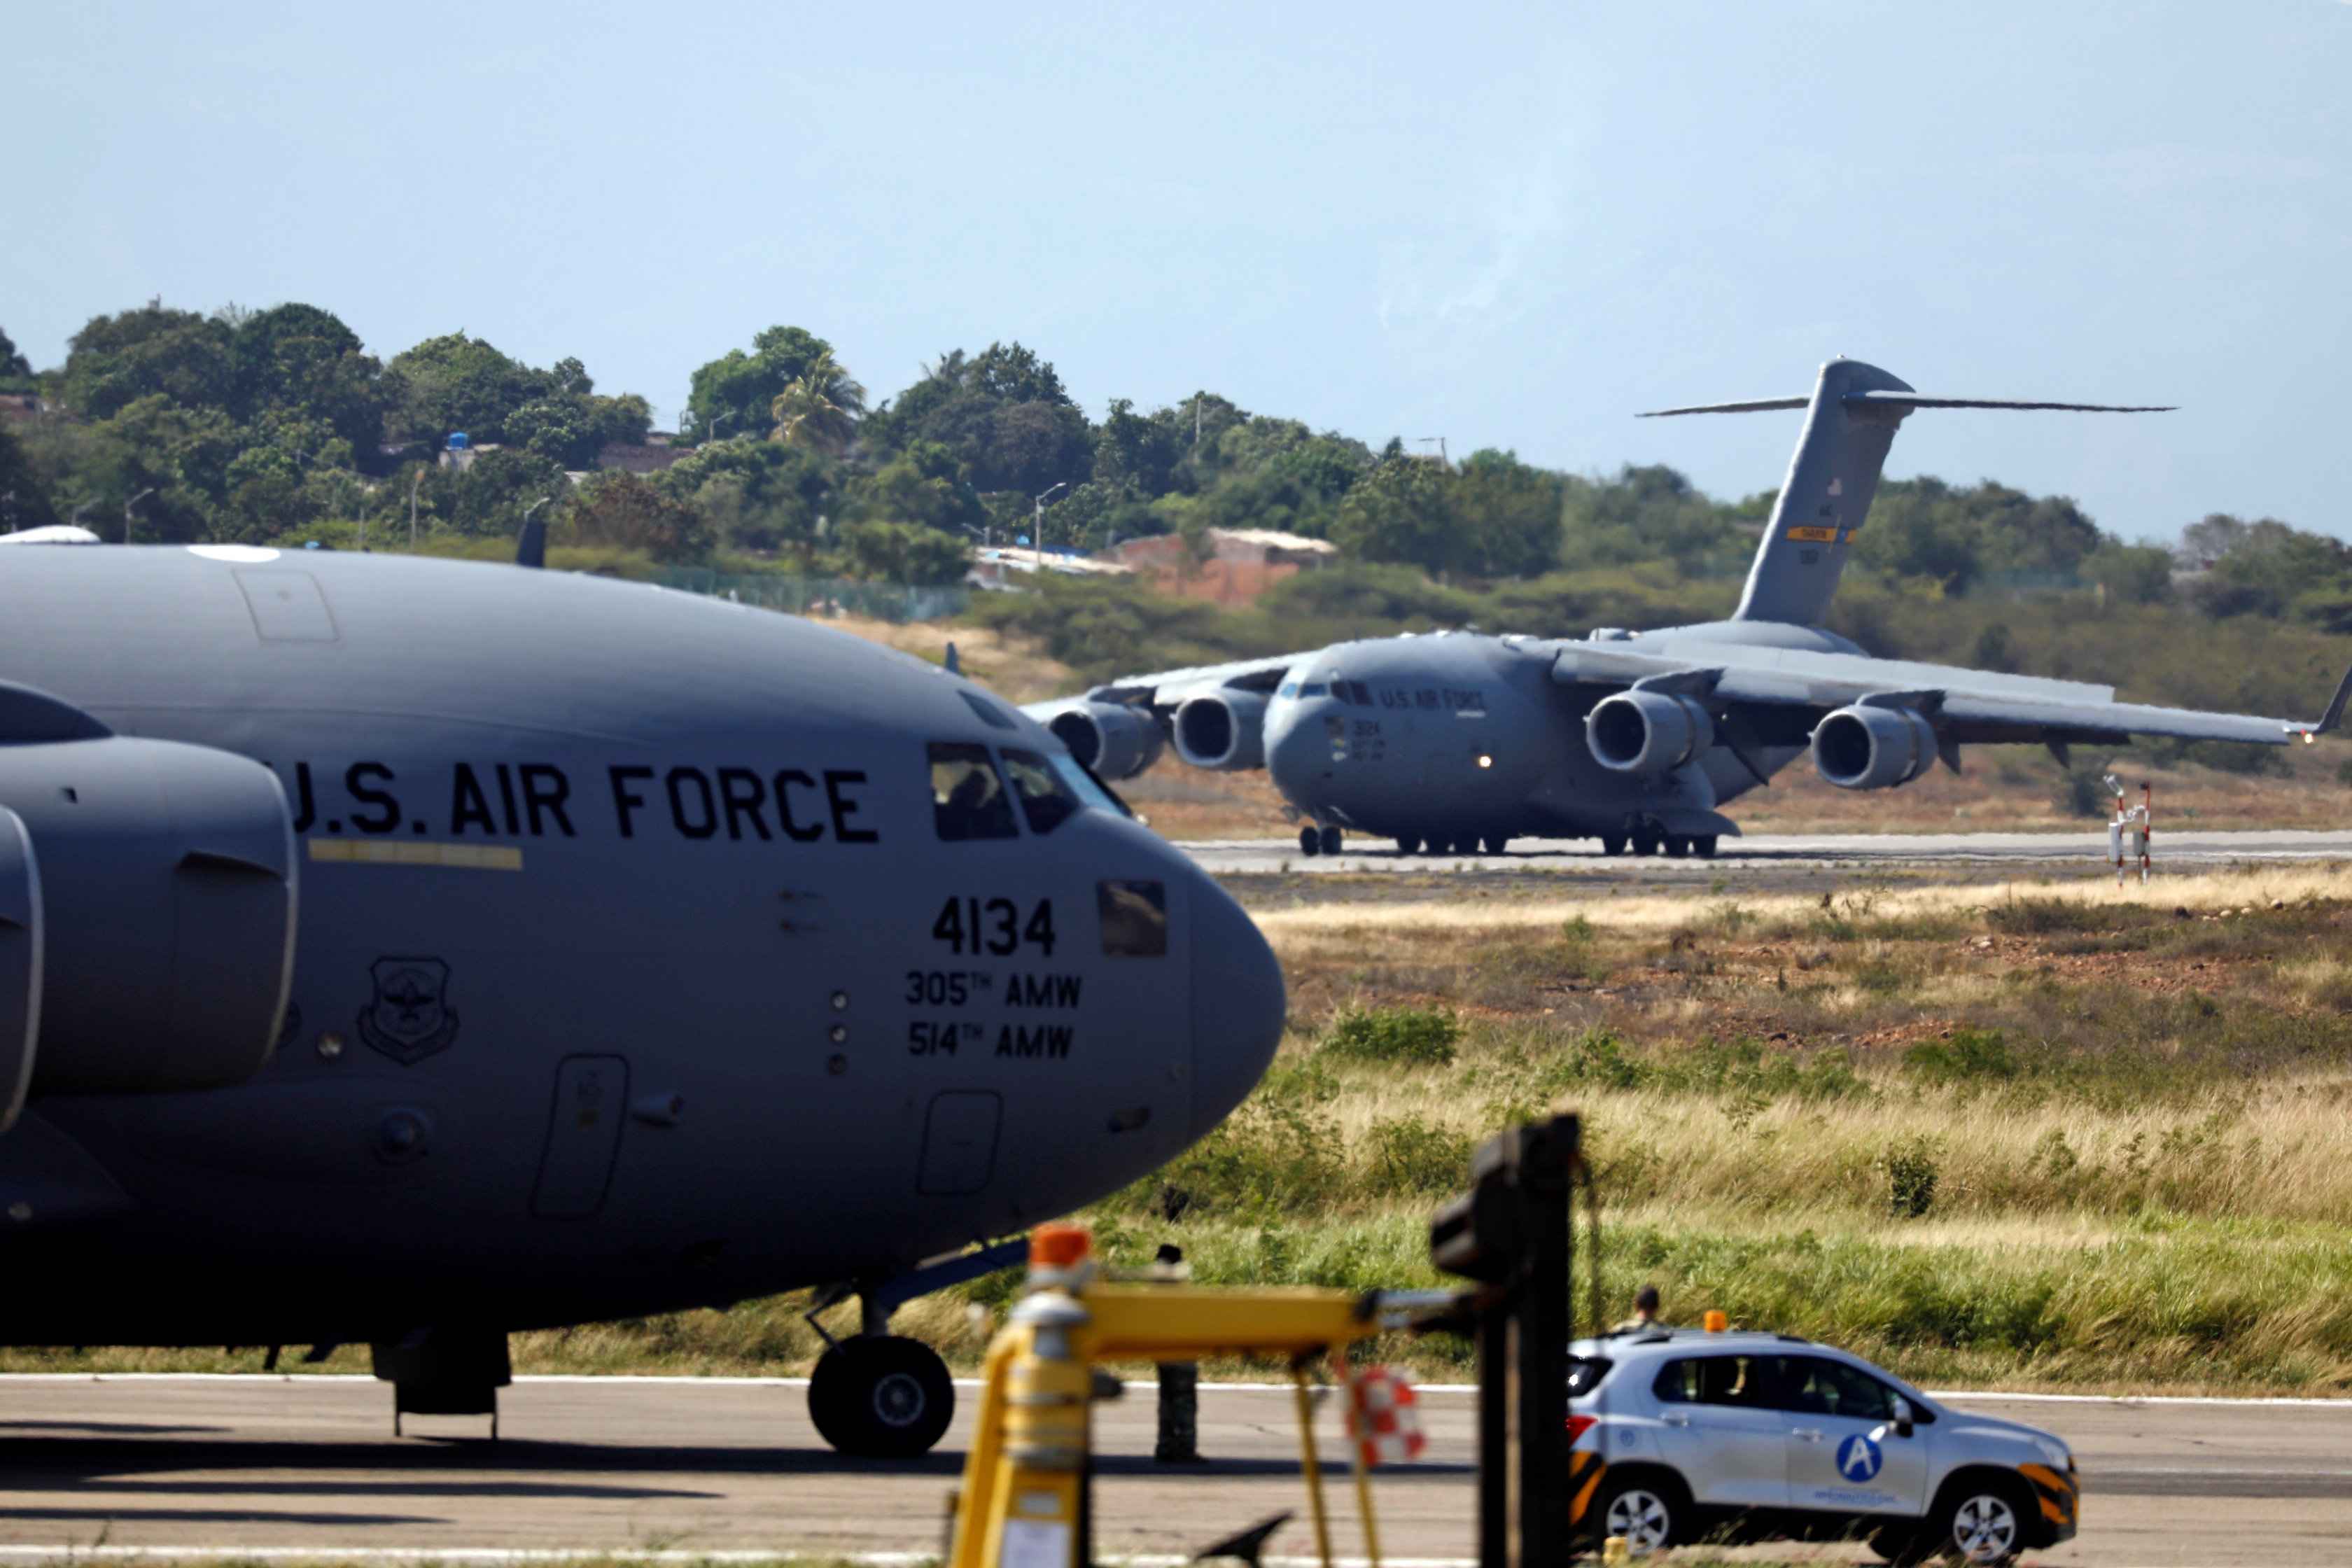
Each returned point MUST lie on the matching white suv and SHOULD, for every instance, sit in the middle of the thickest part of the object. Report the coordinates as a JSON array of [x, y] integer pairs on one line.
[[1677, 1436]]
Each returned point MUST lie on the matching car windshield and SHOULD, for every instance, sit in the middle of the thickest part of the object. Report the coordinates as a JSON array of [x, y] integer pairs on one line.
[[1046, 799], [968, 800]]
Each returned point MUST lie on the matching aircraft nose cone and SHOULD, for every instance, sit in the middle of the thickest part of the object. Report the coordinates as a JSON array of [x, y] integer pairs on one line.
[[1237, 1007]]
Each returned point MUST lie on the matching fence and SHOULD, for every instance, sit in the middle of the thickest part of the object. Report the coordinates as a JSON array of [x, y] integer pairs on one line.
[[820, 596]]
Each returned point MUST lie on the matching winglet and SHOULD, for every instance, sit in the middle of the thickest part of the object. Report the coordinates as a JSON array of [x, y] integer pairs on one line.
[[955, 666], [2334, 714], [531, 549]]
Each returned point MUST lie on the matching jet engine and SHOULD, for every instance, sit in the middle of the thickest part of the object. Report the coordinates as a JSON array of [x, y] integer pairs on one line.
[[1647, 731], [1114, 739], [1872, 748], [1222, 729], [151, 887]]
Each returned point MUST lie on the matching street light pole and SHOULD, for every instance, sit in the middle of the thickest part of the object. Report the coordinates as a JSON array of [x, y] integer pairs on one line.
[[1037, 527], [134, 500]]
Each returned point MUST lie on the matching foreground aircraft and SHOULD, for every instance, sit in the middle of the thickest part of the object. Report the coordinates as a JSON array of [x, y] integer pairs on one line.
[[1457, 740], [406, 951]]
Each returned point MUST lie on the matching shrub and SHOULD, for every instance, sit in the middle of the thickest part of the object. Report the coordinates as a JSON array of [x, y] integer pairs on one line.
[[1410, 1037], [1969, 1056], [1408, 1156], [1911, 1178]]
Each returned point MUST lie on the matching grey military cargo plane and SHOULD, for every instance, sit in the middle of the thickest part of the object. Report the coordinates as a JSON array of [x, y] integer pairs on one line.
[[406, 951], [1459, 741]]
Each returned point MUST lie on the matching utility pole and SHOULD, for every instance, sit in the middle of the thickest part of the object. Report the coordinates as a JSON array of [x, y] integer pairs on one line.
[[134, 500], [412, 508]]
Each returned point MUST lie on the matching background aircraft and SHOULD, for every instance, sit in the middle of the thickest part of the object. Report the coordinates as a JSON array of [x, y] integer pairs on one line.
[[1459, 741], [406, 951]]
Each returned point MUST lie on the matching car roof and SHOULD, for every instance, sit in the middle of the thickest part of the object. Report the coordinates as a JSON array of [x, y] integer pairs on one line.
[[1635, 1341]]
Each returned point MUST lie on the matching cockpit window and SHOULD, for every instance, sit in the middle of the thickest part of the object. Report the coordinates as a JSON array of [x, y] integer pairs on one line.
[[1313, 689], [968, 800], [1089, 788], [1290, 689], [1046, 800]]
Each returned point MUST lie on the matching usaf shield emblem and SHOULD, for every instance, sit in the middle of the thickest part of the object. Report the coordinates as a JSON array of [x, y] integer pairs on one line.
[[410, 1018]]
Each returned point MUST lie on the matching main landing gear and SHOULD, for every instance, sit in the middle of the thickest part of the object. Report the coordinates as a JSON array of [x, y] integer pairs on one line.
[[1314, 840], [876, 1394], [1648, 838]]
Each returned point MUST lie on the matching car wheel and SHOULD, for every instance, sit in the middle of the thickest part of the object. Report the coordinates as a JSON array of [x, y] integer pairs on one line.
[[1309, 841], [1332, 841], [1647, 1512], [887, 1398], [1980, 1522], [1408, 846]]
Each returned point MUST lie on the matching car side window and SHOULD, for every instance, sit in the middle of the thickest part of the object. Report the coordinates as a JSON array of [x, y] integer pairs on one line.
[[1818, 1387], [968, 798], [1711, 1380], [1046, 800]]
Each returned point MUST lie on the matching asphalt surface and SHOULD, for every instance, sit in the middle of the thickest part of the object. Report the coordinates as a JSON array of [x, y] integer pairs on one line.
[[1993, 851], [618, 1464]]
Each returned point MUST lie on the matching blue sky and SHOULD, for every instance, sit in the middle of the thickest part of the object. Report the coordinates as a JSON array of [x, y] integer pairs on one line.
[[1510, 226]]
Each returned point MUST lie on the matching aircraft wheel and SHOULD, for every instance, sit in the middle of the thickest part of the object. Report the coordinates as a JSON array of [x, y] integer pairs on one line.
[[1645, 842], [881, 1398], [1332, 841], [1408, 846], [1612, 844], [1466, 845], [1677, 845], [1496, 843], [1309, 841], [1432, 845], [1705, 845]]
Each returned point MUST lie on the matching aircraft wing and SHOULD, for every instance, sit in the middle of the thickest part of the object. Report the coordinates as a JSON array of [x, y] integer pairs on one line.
[[1968, 706], [1166, 688]]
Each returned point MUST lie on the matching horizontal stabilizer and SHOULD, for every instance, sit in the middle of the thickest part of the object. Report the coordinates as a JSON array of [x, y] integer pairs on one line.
[[1907, 400]]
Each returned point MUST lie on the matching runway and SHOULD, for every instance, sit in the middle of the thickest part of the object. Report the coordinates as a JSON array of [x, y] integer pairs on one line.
[[594, 1465], [1990, 852]]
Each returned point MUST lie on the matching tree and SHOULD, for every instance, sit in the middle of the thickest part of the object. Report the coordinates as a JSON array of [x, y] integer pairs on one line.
[[732, 395], [16, 370], [617, 511], [1004, 414], [150, 350], [1135, 454], [24, 502], [819, 408], [762, 496], [302, 358], [905, 553], [923, 484], [455, 383]]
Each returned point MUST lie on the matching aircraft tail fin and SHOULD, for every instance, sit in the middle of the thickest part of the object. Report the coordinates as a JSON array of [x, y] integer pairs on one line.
[[1850, 423]]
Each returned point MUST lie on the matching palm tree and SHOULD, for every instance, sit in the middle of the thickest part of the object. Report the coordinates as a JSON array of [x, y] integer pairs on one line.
[[819, 406]]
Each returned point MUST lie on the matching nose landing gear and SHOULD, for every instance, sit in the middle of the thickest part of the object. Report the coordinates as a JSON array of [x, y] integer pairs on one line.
[[1314, 840]]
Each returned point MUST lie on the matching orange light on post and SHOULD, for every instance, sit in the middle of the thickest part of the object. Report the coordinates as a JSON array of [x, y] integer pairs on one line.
[[1056, 1246], [1716, 1320]]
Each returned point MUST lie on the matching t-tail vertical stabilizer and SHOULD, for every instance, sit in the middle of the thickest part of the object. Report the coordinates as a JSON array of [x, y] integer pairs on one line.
[[1849, 422]]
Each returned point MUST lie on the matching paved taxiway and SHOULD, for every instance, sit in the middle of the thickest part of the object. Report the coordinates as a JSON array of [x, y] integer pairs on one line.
[[1989, 852], [598, 1464]]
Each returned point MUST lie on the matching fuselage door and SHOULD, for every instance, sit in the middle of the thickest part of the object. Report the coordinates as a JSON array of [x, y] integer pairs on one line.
[[583, 1135]]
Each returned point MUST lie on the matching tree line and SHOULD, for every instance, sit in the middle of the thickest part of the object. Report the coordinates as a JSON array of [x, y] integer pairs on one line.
[[275, 426]]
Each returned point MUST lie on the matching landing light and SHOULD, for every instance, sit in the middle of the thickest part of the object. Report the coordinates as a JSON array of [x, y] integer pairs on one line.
[[1485, 761]]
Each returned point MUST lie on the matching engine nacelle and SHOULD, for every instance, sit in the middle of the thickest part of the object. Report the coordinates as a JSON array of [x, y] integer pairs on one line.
[[1222, 729], [1114, 739], [1647, 731], [1872, 748], [160, 879]]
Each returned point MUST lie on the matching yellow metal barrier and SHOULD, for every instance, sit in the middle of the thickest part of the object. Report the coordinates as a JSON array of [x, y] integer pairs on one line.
[[1023, 1502]]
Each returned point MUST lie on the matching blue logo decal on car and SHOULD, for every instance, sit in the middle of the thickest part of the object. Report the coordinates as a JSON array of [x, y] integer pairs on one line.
[[1858, 1458]]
